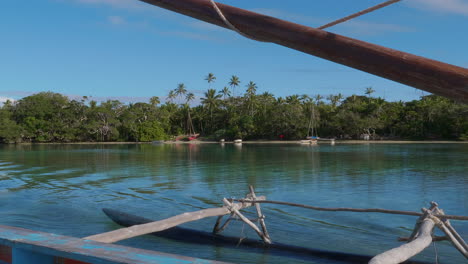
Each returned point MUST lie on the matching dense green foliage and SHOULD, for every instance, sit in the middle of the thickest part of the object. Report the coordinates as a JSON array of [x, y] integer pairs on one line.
[[52, 117]]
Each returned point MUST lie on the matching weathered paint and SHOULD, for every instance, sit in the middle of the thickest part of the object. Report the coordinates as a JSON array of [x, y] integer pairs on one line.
[[5, 255], [21, 256], [45, 248], [59, 260]]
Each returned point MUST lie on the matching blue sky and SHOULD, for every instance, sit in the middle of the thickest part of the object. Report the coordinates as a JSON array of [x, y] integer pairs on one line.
[[129, 50]]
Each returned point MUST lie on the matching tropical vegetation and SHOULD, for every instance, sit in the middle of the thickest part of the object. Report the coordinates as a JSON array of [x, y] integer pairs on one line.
[[229, 114]]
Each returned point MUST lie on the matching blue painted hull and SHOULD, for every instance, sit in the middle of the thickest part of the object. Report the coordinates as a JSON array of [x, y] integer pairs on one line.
[[23, 246]]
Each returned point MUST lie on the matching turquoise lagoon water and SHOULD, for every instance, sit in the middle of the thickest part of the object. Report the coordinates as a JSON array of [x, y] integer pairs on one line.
[[62, 188]]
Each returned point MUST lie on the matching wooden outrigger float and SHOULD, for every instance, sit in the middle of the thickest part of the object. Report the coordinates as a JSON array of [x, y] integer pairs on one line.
[[421, 237], [197, 237]]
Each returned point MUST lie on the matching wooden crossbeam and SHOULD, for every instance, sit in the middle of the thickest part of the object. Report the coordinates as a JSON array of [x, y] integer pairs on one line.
[[419, 240], [138, 230], [261, 217], [265, 239]]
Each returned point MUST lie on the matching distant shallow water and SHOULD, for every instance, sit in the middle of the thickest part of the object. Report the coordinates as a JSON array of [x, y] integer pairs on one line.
[[62, 188]]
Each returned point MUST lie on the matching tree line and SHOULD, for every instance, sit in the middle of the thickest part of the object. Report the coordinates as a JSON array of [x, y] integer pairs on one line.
[[230, 113]]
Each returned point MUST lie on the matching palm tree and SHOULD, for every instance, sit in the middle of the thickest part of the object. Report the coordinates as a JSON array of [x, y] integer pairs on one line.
[[318, 99], [265, 99], [304, 98], [225, 92], [339, 97], [93, 104], [293, 99], [210, 78], [369, 91], [154, 101], [211, 101], [180, 90], [234, 82], [190, 97], [171, 96], [251, 90], [334, 99]]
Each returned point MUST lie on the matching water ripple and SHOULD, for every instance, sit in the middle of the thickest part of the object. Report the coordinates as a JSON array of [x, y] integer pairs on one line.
[[62, 188]]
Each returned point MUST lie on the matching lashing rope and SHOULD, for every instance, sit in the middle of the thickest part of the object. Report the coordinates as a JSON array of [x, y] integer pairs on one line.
[[363, 12], [230, 25], [336, 22]]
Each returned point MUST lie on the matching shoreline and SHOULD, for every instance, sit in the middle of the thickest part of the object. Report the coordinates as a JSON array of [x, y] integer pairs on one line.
[[257, 142], [324, 142]]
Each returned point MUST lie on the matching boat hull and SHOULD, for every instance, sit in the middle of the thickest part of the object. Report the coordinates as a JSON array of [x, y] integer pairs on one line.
[[201, 237]]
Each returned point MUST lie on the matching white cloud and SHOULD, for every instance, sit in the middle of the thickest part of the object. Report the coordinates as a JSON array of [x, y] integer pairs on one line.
[[294, 17], [355, 26], [123, 99], [202, 25], [133, 4], [3, 100], [116, 20], [442, 6], [360, 27]]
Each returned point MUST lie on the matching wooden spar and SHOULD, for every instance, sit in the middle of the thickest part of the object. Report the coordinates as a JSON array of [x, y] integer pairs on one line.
[[456, 243], [418, 241], [422, 238], [456, 240], [199, 237], [429, 75], [406, 251], [421, 219], [261, 217], [138, 230], [357, 210], [434, 238], [232, 208], [217, 229]]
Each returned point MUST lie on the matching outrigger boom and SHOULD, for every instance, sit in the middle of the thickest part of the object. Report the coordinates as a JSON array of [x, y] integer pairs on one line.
[[429, 75], [421, 237]]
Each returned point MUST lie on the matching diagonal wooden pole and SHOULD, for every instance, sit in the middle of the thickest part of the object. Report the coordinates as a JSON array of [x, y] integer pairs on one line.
[[420, 221], [451, 234], [247, 221], [419, 72], [420, 239], [217, 229], [261, 217], [143, 229]]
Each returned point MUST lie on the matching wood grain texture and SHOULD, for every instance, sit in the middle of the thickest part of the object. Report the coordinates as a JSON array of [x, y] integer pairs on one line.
[[406, 251], [143, 229], [429, 75]]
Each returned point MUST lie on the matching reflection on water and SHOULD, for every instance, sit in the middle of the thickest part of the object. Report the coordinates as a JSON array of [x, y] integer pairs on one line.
[[61, 188]]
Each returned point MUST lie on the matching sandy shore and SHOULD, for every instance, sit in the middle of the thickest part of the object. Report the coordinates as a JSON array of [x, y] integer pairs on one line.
[[82, 143], [264, 142], [321, 142]]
